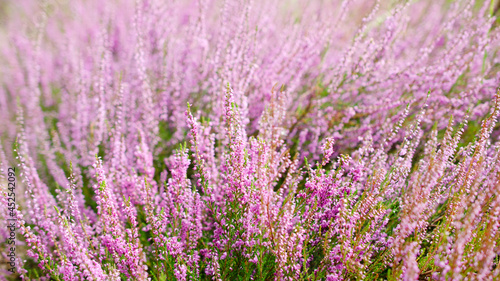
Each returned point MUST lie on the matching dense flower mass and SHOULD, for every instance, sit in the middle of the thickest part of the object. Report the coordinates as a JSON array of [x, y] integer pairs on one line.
[[250, 140]]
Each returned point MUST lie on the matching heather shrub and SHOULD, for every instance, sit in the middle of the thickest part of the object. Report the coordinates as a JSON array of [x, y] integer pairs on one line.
[[250, 140]]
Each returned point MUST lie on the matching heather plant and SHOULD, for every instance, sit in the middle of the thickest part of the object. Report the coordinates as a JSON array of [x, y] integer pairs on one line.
[[250, 140]]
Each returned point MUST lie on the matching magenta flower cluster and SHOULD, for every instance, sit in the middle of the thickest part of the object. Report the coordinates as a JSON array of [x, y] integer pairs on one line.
[[251, 140]]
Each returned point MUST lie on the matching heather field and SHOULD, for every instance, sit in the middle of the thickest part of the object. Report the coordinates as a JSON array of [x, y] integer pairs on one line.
[[249, 140]]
